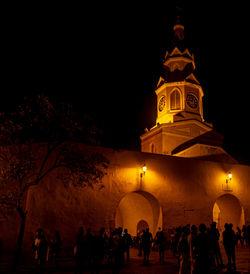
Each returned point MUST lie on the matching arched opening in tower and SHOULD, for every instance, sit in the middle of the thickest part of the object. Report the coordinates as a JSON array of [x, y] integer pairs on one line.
[[138, 210], [227, 209]]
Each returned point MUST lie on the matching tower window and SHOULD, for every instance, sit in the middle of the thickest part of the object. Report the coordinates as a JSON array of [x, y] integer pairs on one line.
[[175, 100]]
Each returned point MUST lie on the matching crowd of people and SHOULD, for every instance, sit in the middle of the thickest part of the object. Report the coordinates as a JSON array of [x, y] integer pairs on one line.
[[45, 250], [196, 249]]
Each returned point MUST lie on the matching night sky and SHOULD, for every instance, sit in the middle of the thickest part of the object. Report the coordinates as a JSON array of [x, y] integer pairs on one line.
[[106, 59]]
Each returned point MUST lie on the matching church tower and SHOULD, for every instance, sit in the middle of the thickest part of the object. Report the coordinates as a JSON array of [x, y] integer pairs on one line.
[[180, 128], [179, 94]]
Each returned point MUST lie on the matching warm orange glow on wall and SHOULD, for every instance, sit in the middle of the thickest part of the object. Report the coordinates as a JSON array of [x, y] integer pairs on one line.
[[137, 207], [227, 209]]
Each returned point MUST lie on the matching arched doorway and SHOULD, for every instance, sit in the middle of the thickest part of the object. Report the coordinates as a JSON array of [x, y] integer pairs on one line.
[[142, 225], [227, 209], [137, 210]]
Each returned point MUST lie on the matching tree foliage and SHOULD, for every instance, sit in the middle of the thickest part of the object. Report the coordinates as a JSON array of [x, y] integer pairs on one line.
[[39, 138]]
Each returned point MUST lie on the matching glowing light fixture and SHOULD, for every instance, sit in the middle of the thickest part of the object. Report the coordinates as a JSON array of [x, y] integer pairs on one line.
[[229, 178], [142, 174], [228, 186]]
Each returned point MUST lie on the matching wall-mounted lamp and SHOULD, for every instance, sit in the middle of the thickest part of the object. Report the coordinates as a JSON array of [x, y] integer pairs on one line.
[[142, 174], [227, 186], [144, 169], [229, 177]]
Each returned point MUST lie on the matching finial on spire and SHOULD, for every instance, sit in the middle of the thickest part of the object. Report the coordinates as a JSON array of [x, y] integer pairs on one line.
[[178, 13], [178, 27]]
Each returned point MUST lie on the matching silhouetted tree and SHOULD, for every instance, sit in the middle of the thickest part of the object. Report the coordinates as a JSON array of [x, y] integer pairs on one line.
[[37, 139]]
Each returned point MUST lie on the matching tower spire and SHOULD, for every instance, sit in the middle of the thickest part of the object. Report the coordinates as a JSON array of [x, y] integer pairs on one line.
[[180, 128], [179, 27]]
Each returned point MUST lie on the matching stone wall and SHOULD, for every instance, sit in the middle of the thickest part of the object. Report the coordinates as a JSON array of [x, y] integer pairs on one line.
[[186, 191]]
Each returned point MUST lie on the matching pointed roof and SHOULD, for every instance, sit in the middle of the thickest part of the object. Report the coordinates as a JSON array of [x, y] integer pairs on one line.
[[179, 62], [192, 79], [211, 138], [176, 53], [218, 154], [189, 78], [160, 82]]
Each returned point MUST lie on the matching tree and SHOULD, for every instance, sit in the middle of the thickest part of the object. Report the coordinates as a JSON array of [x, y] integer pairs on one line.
[[37, 139]]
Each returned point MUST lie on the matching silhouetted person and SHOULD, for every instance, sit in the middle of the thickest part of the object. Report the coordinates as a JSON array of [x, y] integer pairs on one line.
[[156, 238], [137, 241], [110, 248], [214, 236], [244, 234], [116, 250], [248, 235], [79, 251], [239, 236], [192, 242], [203, 251], [127, 242], [40, 249], [229, 242], [98, 250], [183, 250], [146, 245], [89, 247], [175, 241], [140, 242], [121, 244], [55, 247], [161, 241]]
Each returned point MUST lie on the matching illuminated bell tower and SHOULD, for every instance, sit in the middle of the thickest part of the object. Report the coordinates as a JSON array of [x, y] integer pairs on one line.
[[180, 128], [179, 94]]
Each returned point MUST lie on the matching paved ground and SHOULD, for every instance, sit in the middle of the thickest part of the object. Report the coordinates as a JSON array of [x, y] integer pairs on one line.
[[136, 265]]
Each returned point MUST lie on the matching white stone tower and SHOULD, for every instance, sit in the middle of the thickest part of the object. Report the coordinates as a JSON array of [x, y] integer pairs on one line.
[[180, 128]]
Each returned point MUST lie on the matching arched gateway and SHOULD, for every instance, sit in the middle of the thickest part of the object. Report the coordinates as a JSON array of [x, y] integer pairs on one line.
[[228, 209], [137, 210]]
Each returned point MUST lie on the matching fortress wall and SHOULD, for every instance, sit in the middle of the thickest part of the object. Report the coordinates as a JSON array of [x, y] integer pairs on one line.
[[185, 189]]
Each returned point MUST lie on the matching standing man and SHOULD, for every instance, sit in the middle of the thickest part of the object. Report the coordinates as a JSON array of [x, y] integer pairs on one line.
[[127, 243], [203, 251], [229, 242], [146, 245], [40, 249], [79, 251], [183, 250], [162, 242], [192, 242], [214, 236]]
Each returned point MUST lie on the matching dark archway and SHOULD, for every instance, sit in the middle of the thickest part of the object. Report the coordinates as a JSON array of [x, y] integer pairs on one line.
[[135, 207], [142, 225]]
